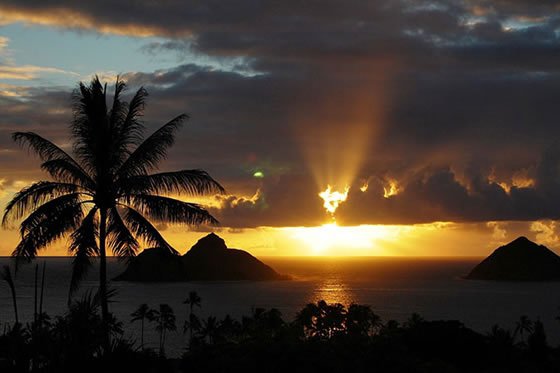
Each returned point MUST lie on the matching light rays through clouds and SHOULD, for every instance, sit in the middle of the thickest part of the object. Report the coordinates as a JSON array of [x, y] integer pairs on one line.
[[416, 112]]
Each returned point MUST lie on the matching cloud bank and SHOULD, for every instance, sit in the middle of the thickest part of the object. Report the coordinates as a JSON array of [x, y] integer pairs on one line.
[[455, 102]]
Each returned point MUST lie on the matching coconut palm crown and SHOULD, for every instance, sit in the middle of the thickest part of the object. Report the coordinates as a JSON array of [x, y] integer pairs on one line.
[[105, 196]]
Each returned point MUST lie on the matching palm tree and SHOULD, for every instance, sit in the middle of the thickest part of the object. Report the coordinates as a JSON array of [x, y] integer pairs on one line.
[[192, 324], [524, 325], [105, 197], [193, 300], [362, 321], [165, 318], [307, 319], [142, 313], [210, 328]]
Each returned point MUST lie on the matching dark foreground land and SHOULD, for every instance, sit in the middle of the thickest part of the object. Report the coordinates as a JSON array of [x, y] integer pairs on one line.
[[322, 338]]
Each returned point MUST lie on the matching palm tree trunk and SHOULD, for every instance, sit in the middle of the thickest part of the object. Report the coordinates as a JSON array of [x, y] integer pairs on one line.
[[103, 274], [191, 331], [13, 290], [161, 338], [35, 296], [142, 335], [42, 293]]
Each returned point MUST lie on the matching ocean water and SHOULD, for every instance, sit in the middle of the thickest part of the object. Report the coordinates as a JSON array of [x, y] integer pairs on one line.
[[394, 287]]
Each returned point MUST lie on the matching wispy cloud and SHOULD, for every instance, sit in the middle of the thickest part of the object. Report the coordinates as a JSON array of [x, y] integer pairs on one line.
[[10, 90], [4, 41], [29, 72], [71, 19]]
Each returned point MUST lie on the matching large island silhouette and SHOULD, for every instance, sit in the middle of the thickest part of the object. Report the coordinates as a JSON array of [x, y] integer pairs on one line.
[[208, 260], [519, 260]]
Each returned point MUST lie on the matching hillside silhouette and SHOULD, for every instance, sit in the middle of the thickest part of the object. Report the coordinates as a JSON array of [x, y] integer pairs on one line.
[[519, 260], [208, 260]]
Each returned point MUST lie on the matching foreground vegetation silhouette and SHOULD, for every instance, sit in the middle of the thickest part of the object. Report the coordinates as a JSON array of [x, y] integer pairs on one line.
[[322, 338], [104, 196]]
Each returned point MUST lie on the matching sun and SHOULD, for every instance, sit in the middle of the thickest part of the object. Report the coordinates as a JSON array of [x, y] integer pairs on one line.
[[331, 239]]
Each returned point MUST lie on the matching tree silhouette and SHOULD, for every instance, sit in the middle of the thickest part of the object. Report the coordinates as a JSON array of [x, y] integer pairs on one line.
[[210, 328], [143, 312], [522, 326], [414, 320], [361, 320], [536, 341], [105, 197], [307, 318], [322, 320], [228, 329], [165, 318], [192, 323], [501, 340], [262, 323]]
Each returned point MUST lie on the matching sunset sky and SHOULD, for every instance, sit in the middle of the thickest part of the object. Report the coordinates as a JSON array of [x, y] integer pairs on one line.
[[440, 118]]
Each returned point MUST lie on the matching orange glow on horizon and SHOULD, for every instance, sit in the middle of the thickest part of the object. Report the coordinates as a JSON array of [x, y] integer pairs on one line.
[[331, 239]]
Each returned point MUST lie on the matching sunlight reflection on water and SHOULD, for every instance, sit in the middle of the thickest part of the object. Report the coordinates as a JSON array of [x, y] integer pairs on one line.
[[333, 290]]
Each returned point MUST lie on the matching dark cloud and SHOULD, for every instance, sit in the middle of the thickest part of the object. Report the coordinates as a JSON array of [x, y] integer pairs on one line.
[[428, 195], [453, 99]]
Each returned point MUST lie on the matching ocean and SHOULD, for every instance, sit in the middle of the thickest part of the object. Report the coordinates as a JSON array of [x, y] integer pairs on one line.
[[393, 287]]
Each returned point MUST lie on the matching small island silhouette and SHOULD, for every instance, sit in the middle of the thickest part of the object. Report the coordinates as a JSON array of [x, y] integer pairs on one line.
[[208, 260], [519, 260]]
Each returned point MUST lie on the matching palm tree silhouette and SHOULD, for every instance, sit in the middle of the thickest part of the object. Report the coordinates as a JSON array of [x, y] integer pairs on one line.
[[210, 328], [524, 325], [143, 312], [331, 320], [361, 320], [192, 322], [105, 197], [165, 318]]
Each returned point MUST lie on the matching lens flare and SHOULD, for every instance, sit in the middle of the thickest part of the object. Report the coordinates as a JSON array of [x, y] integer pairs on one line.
[[333, 198]]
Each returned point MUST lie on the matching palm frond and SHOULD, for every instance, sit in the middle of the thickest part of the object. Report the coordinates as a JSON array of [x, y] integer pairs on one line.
[[55, 160], [132, 127], [117, 118], [121, 241], [192, 182], [90, 127], [65, 171], [145, 230], [170, 210], [118, 109], [83, 245], [49, 211], [150, 152], [42, 229], [29, 198], [45, 149]]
